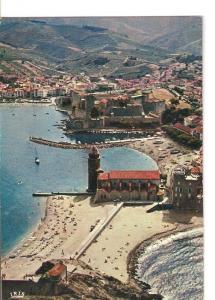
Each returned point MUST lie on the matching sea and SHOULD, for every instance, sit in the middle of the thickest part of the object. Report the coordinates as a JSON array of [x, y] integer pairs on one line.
[[173, 266], [60, 170]]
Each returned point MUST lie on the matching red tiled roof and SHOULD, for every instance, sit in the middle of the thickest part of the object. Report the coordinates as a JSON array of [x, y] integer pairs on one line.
[[197, 120], [195, 170], [57, 270], [182, 128], [144, 175], [103, 176], [198, 129]]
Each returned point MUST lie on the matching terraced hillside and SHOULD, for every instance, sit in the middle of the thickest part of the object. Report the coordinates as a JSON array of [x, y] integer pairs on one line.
[[57, 45]]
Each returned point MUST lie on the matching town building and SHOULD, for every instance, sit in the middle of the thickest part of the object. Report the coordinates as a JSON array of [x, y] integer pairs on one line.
[[127, 111], [196, 132], [193, 120], [186, 188], [58, 272]]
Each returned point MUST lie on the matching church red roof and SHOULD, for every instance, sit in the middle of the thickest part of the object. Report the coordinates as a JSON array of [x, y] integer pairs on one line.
[[144, 175]]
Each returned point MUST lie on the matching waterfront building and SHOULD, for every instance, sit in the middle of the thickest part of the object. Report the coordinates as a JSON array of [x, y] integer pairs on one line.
[[121, 185], [128, 186], [192, 120], [196, 132], [186, 188]]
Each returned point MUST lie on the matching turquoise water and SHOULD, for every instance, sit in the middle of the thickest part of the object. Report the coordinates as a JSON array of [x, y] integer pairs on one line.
[[59, 169]]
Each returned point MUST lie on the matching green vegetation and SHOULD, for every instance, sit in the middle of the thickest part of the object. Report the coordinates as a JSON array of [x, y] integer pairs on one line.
[[171, 115], [174, 101], [77, 48], [5, 69], [7, 54], [188, 58], [182, 138], [101, 61]]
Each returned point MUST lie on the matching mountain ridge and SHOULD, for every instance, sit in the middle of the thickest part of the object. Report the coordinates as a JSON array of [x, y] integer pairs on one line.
[[76, 43]]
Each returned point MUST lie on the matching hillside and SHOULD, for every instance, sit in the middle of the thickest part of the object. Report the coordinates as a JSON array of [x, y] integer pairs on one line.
[[175, 33], [93, 45]]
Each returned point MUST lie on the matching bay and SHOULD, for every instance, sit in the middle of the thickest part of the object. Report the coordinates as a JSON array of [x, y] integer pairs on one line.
[[60, 170]]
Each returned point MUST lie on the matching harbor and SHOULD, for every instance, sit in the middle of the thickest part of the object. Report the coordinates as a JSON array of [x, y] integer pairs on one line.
[[57, 171]]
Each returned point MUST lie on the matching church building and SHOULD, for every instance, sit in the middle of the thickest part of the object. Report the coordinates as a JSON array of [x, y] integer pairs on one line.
[[121, 185]]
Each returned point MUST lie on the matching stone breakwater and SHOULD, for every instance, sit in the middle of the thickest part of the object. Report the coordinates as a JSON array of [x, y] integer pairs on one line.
[[67, 145]]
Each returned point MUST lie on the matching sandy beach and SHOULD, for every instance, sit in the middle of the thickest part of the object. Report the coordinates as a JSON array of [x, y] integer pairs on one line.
[[67, 225], [161, 153]]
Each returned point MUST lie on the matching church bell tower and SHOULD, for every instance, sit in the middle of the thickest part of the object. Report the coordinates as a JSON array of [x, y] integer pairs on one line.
[[93, 169]]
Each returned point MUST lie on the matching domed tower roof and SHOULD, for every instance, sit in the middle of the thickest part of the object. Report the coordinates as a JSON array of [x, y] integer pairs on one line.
[[94, 152]]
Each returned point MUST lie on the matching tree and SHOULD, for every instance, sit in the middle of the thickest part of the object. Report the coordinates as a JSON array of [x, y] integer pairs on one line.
[[167, 116], [174, 101]]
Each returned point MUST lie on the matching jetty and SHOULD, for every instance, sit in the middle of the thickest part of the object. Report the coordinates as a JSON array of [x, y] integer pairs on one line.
[[44, 194], [66, 145]]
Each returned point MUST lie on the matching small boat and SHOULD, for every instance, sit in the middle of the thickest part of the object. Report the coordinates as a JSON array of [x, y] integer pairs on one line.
[[174, 151], [37, 161]]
